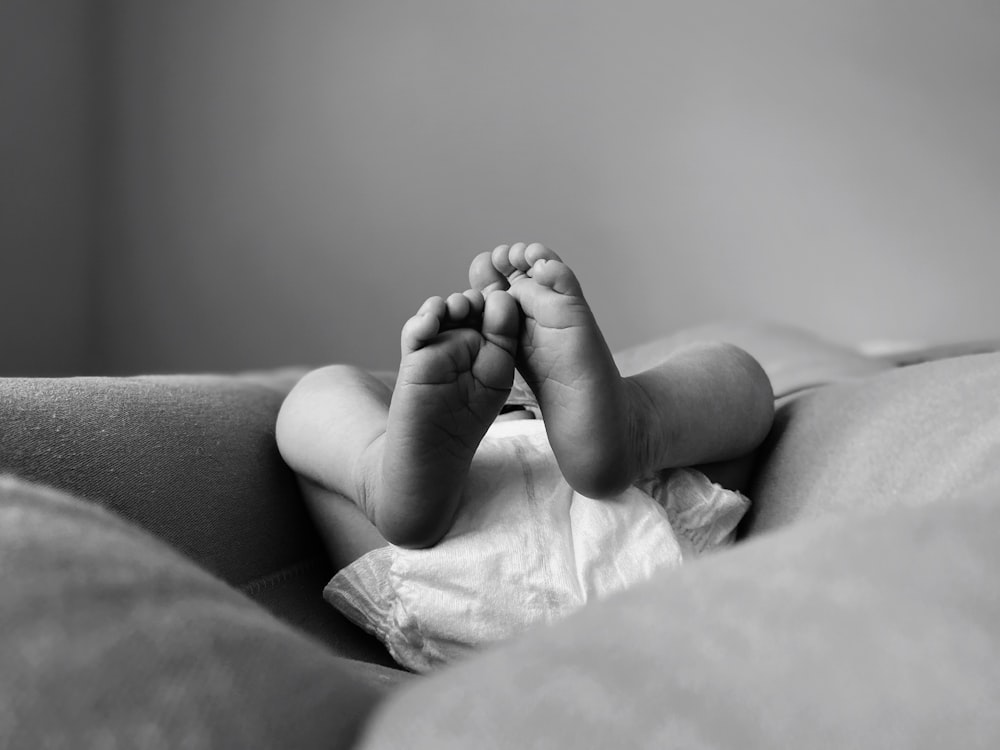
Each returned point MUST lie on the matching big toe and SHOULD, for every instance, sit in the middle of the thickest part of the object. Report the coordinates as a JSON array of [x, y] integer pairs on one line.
[[484, 276], [557, 276], [502, 320], [536, 251]]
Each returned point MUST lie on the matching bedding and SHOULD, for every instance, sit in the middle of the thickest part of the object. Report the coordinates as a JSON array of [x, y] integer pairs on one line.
[[860, 608], [905, 438]]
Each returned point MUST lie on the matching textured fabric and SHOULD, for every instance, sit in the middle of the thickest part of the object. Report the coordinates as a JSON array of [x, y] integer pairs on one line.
[[905, 437], [525, 550], [876, 631], [193, 460], [112, 640]]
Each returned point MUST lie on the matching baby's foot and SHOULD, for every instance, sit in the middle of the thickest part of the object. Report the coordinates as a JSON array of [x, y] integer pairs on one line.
[[566, 362], [455, 372]]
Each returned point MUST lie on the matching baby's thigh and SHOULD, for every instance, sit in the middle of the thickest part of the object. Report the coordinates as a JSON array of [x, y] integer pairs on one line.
[[792, 358], [346, 532]]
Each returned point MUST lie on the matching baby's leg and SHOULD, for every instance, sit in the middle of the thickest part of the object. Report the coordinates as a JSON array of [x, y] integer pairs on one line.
[[403, 459], [702, 404], [323, 430], [566, 362]]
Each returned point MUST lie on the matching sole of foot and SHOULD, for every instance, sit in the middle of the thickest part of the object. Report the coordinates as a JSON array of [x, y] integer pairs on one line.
[[455, 372], [564, 358]]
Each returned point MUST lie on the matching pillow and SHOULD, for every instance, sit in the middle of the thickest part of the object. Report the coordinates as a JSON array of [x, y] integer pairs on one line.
[[190, 458], [904, 437], [193, 460], [856, 632], [110, 639]]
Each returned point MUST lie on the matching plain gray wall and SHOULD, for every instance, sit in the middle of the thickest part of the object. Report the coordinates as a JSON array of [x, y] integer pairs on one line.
[[285, 182], [48, 204]]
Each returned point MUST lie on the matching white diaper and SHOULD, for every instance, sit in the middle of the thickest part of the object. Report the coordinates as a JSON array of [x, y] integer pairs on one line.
[[526, 549]]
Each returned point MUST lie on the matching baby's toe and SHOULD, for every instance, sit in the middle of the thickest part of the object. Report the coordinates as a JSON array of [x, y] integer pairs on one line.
[[557, 276], [502, 321], [418, 330], [500, 258], [483, 275], [458, 308], [503, 262], [517, 258], [435, 306], [536, 251], [476, 302]]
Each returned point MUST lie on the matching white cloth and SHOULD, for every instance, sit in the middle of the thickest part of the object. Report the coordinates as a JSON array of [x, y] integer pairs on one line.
[[526, 549]]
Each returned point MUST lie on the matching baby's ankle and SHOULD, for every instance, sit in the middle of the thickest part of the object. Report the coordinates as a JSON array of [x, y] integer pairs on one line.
[[608, 462], [367, 476], [644, 429]]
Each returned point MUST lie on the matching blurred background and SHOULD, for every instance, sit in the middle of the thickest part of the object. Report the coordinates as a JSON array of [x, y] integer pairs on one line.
[[215, 185]]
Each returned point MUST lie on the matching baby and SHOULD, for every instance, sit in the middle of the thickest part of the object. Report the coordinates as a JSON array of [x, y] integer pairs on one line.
[[466, 520]]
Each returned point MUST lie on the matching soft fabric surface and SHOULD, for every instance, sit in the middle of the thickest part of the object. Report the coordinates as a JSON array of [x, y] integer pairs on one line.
[[870, 631], [110, 639], [193, 460], [871, 620], [902, 438]]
